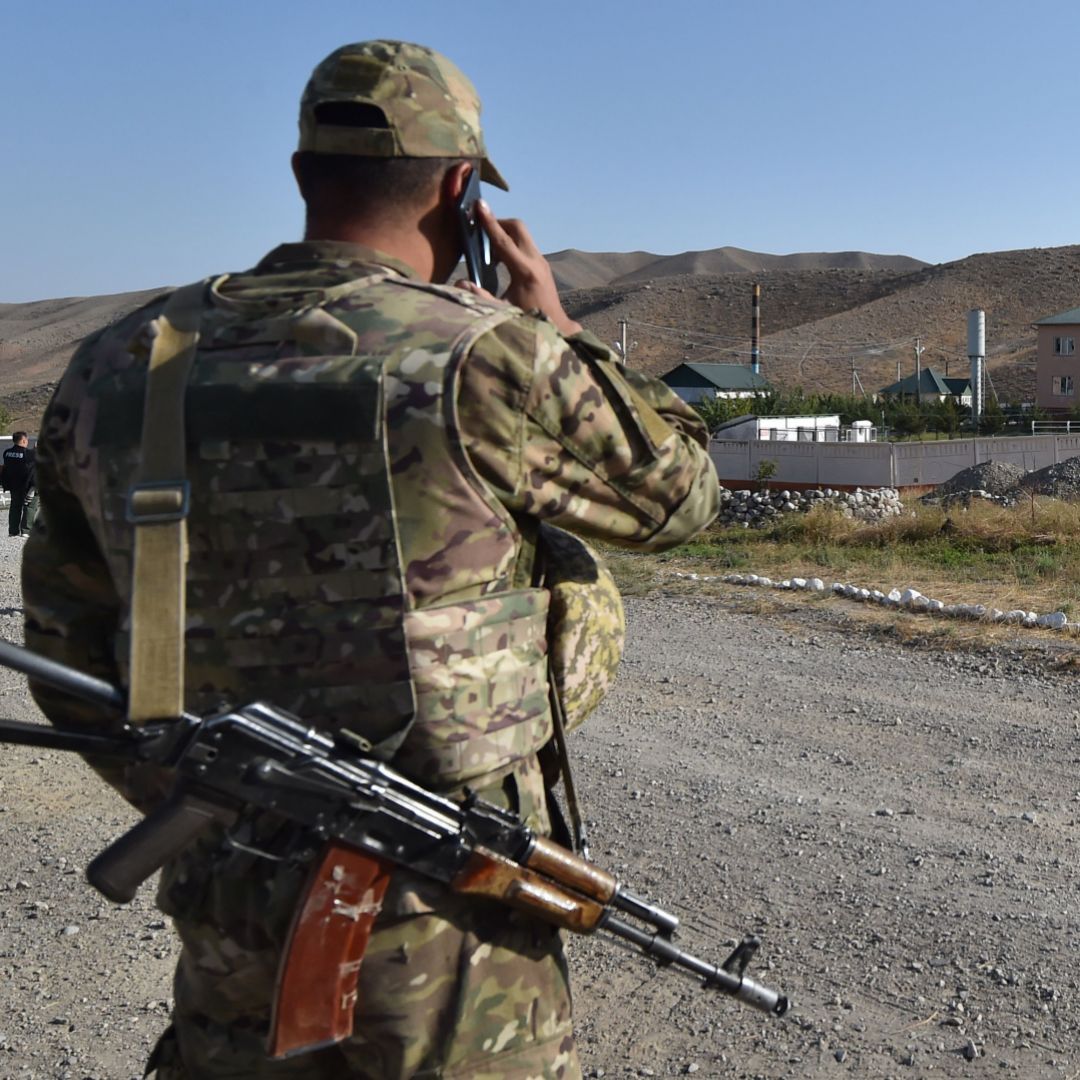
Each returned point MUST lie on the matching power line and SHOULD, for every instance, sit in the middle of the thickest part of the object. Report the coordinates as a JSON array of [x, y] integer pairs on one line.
[[843, 345]]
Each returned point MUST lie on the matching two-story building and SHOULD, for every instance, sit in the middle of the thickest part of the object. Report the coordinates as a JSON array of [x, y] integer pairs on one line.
[[1057, 365]]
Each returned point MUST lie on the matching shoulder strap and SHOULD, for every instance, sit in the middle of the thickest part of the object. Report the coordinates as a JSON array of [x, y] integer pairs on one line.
[[157, 507]]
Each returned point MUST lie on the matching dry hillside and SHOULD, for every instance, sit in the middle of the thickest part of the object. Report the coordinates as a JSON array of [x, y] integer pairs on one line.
[[707, 317], [587, 269], [820, 311], [816, 322], [37, 339]]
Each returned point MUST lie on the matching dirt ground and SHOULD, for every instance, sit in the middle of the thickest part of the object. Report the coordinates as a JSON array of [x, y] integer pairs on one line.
[[893, 819]]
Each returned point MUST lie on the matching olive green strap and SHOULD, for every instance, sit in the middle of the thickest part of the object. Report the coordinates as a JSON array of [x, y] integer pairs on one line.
[[157, 507]]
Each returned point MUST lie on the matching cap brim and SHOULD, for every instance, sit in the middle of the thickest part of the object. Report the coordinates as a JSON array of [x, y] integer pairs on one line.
[[489, 174]]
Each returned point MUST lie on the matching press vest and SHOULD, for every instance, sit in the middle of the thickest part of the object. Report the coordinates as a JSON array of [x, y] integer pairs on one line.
[[18, 470]]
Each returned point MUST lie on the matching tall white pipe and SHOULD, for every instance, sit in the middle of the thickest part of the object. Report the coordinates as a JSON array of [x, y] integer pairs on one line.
[[977, 356]]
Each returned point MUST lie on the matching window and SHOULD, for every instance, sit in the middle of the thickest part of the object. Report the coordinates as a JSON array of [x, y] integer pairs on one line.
[[1063, 385], [1064, 346]]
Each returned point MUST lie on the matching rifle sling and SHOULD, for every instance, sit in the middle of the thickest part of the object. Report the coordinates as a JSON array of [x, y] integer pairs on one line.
[[157, 508], [558, 723], [579, 838]]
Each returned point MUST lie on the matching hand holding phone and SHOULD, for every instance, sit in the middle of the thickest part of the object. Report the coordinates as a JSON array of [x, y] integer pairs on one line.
[[475, 243], [532, 284]]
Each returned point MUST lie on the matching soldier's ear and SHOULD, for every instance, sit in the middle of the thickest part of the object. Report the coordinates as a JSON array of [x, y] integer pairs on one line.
[[454, 180]]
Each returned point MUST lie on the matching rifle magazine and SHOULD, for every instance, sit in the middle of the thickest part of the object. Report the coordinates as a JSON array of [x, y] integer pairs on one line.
[[316, 985]]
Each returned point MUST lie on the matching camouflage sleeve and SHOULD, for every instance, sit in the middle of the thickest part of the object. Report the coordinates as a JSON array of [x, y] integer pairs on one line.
[[565, 433], [71, 607]]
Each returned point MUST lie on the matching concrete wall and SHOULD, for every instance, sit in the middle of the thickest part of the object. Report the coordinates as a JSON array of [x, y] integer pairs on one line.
[[869, 465], [805, 464]]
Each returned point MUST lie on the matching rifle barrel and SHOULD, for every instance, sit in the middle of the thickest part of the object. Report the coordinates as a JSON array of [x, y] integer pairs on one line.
[[62, 677], [12, 731]]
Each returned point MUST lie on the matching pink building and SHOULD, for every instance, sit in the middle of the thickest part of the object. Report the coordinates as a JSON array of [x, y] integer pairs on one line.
[[1057, 365]]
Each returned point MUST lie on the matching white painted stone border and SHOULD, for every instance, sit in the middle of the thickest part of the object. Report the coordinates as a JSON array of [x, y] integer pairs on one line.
[[908, 600]]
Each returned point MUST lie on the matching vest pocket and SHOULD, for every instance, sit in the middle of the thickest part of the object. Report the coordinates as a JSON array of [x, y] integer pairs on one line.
[[480, 672]]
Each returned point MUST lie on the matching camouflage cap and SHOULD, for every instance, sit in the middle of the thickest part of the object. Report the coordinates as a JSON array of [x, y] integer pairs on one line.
[[431, 108]]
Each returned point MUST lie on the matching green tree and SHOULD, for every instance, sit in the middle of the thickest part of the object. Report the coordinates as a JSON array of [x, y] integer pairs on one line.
[[907, 418], [849, 407], [946, 417], [766, 470], [717, 410], [992, 421]]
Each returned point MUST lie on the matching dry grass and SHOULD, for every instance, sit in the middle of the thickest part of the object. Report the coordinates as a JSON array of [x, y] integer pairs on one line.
[[1019, 557]]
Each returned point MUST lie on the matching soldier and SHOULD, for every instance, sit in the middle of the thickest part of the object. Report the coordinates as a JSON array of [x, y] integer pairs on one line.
[[17, 474], [370, 456]]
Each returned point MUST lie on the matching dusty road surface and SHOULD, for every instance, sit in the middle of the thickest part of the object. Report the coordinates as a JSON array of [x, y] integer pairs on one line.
[[897, 822]]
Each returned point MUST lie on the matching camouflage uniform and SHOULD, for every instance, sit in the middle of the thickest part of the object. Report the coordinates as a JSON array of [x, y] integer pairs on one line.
[[370, 457]]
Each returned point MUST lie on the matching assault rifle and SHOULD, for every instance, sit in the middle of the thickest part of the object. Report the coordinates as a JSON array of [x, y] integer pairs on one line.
[[365, 816]]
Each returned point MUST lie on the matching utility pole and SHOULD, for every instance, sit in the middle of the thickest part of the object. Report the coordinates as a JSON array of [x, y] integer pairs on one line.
[[755, 329], [856, 382], [623, 348], [919, 350]]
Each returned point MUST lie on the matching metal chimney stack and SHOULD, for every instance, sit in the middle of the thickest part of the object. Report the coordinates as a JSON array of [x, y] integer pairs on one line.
[[755, 331], [977, 356]]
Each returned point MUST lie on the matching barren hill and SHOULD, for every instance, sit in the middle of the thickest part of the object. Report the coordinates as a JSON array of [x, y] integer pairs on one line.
[[36, 340], [816, 322], [588, 269], [1015, 288], [820, 313], [734, 260]]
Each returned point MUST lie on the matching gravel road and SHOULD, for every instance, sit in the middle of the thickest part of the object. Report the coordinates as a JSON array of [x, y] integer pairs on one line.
[[893, 820]]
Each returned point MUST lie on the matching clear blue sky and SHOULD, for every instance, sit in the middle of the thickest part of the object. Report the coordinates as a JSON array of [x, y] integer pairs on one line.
[[147, 143]]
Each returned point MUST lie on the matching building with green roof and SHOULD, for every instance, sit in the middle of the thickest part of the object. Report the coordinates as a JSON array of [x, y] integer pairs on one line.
[[699, 382], [932, 386]]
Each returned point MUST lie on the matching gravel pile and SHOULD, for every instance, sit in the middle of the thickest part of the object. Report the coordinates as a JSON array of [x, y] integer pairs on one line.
[[996, 477], [1061, 480], [757, 509]]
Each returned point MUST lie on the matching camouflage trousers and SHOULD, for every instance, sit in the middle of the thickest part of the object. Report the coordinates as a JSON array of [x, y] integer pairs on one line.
[[449, 986]]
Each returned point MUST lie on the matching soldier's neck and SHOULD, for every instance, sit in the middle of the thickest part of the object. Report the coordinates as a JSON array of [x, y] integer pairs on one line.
[[411, 246]]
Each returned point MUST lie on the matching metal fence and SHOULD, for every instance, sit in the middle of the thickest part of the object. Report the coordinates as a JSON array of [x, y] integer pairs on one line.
[[1055, 427]]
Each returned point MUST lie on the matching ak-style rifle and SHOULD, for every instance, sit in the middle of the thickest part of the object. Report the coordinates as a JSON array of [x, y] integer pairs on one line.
[[365, 817]]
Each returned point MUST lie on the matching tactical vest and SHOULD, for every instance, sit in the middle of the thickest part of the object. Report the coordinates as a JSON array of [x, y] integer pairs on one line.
[[316, 443]]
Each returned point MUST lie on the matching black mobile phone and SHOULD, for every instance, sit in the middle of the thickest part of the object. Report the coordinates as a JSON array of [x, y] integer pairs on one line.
[[475, 243]]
